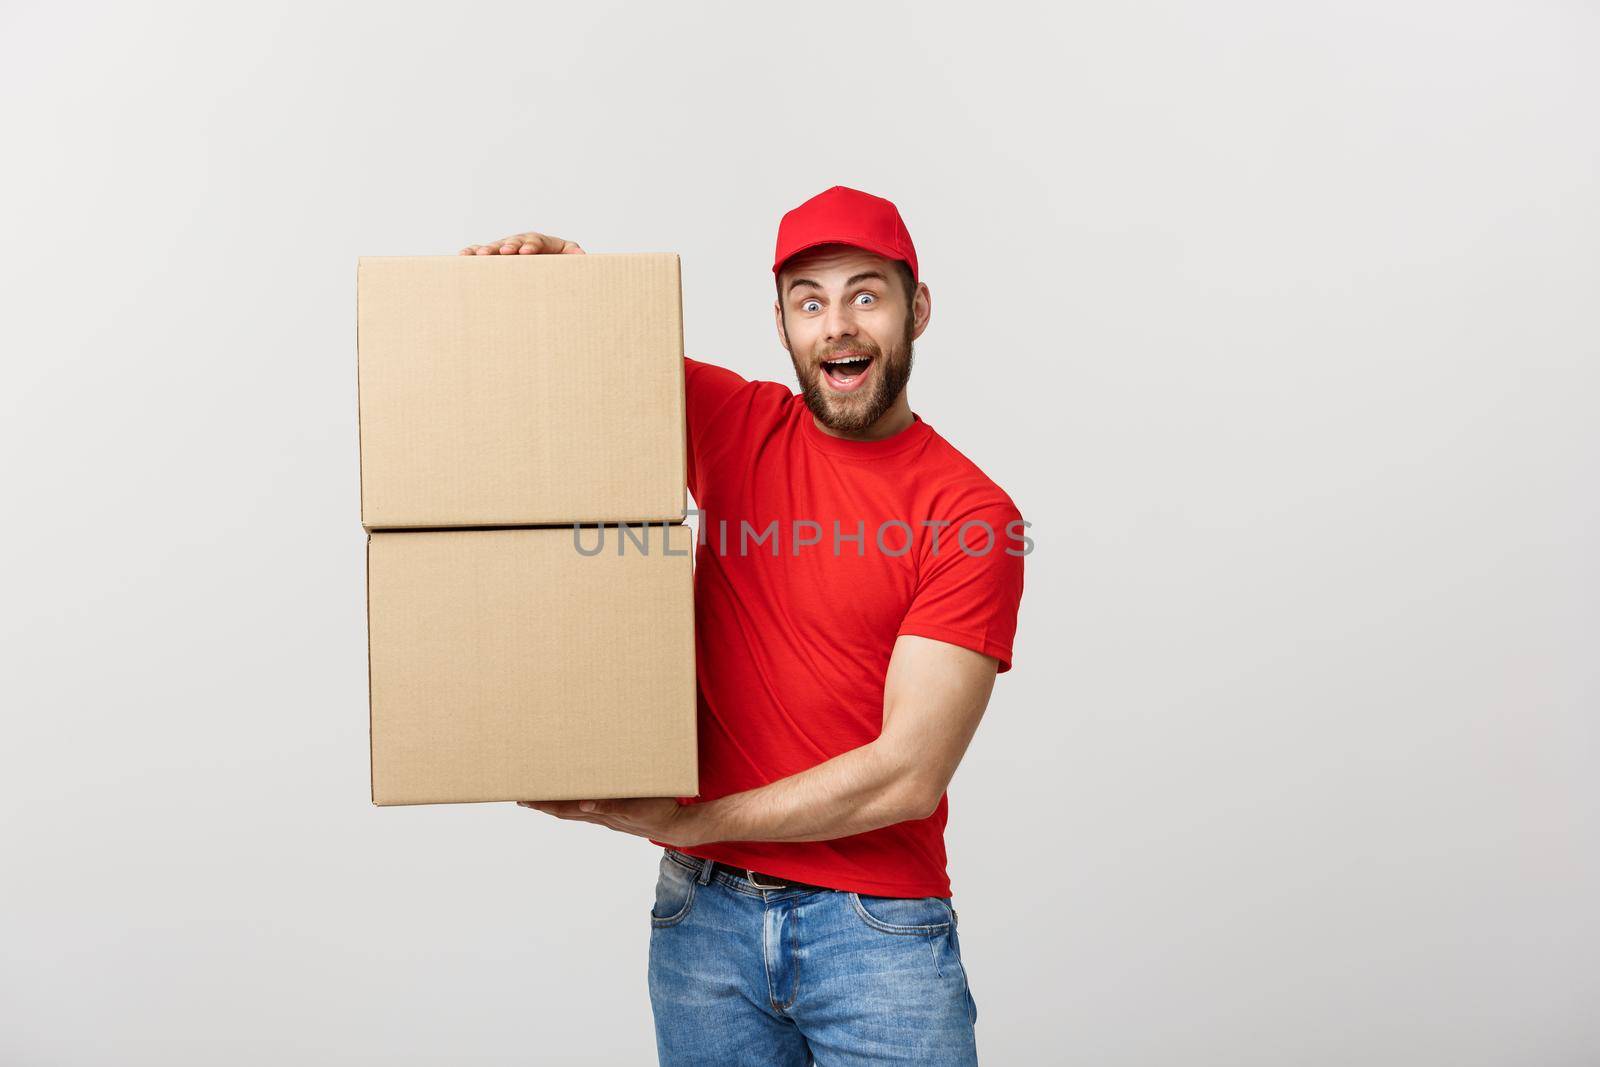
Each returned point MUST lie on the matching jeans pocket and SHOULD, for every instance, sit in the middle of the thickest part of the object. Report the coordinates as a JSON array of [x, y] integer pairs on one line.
[[904, 915], [675, 889]]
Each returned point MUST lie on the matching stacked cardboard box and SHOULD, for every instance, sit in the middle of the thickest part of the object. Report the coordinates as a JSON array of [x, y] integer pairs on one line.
[[529, 594]]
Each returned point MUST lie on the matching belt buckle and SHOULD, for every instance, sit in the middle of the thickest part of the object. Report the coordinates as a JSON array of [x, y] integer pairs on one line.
[[750, 876]]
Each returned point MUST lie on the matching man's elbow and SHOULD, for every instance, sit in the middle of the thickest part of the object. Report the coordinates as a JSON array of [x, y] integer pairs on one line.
[[924, 807], [916, 793]]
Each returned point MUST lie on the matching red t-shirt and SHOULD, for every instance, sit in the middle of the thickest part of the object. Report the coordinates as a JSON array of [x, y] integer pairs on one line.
[[815, 554]]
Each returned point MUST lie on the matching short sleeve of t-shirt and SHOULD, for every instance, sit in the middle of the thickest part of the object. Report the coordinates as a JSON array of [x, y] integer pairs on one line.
[[720, 406], [969, 585], [707, 389]]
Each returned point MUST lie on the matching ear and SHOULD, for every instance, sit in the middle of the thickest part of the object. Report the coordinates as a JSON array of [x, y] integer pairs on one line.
[[777, 320], [921, 310]]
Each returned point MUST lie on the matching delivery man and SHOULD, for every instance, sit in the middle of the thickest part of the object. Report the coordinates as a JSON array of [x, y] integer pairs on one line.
[[856, 592]]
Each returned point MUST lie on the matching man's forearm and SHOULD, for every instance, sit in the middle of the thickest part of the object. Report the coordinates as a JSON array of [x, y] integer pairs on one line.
[[856, 791]]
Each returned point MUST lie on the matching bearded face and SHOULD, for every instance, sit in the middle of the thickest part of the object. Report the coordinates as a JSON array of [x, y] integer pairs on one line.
[[849, 329], [850, 386]]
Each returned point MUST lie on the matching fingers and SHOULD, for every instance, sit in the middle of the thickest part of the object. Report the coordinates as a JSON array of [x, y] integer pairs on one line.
[[524, 244], [529, 244], [493, 248], [564, 809], [569, 811]]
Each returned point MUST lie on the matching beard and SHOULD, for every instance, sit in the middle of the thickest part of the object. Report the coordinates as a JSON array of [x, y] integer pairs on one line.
[[853, 412]]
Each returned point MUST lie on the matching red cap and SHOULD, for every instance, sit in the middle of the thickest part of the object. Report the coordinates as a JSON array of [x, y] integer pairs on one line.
[[847, 216]]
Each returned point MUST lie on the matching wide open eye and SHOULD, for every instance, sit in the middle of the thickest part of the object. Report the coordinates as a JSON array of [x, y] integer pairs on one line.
[[803, 307]]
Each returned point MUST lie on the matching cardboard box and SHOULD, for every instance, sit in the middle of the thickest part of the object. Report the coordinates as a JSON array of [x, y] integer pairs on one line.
[[506, 665], [520, 390]]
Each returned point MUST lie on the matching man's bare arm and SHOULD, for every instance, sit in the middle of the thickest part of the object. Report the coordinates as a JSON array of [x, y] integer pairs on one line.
[[934, 696]]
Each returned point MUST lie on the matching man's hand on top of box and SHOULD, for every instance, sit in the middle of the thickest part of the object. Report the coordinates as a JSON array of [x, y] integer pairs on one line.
[[523, 244]]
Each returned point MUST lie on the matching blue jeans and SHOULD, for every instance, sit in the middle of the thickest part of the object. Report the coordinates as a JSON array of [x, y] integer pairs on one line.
[[740, 975]]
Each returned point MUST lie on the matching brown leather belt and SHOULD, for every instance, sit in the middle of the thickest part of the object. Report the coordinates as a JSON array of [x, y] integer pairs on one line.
[[753, 879]]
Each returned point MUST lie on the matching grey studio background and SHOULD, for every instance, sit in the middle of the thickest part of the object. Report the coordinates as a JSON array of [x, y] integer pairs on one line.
[[1277, 321]]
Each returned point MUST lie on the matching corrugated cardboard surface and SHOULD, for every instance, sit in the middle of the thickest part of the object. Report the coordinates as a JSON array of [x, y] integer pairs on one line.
[[520, 390], [505, 665]]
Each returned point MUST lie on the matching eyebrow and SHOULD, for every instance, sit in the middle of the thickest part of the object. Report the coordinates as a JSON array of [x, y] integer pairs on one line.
[[854, 278]]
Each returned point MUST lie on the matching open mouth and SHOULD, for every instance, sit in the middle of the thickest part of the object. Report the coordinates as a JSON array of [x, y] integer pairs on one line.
[[845, 373]]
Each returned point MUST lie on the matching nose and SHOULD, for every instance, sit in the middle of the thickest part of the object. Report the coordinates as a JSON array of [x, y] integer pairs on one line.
[[840, 323]]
